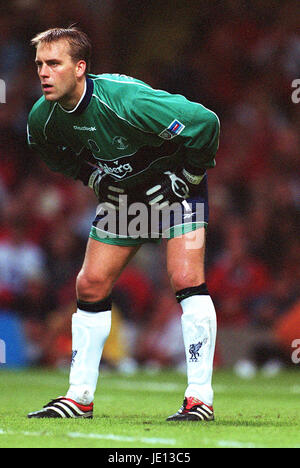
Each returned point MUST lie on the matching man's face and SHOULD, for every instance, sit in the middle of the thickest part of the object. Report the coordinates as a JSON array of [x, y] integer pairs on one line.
[[57, 71]]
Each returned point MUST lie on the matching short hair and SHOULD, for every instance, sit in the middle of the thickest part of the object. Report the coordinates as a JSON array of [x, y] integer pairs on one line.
[[79, 42]]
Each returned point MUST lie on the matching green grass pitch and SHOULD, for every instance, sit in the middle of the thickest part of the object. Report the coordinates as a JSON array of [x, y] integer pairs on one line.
[[130, 412]]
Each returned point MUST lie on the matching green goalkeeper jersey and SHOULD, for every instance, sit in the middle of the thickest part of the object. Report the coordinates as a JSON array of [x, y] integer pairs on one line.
[[127, 128]]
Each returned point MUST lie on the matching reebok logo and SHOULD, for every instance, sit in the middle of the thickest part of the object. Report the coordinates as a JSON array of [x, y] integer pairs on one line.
[[84, 129]]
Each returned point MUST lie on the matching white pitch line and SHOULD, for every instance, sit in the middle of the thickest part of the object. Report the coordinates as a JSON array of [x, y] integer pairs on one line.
[[235, 444], [135, 385], [119, 438], [148, 386], [81, 435], [295, 389], [167, 387]]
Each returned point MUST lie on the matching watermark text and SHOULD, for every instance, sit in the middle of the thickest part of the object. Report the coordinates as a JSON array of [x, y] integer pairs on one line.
[[296, 93], [2, 352], [2, 92], [139, 221], [296, 353]]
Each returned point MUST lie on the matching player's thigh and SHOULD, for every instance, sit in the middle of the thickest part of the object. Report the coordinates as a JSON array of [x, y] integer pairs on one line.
[[185, 259], [105, 262]]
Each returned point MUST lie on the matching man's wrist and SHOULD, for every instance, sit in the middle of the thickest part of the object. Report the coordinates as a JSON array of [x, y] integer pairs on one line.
[[85, 172], [193, 179], [93, 176]]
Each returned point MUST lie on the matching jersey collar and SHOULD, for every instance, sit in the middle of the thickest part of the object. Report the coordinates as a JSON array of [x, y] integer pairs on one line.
[[84, 100]]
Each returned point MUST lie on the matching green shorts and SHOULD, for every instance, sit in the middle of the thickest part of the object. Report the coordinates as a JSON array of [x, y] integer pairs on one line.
[[140, 224]]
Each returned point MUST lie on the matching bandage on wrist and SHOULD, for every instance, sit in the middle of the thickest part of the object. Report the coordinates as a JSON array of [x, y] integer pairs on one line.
[[191, 178]]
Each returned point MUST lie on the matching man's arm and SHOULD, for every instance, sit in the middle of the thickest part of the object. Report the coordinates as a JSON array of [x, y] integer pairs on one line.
[[77, 166], [192, 126], [61, 159], [195, 128]]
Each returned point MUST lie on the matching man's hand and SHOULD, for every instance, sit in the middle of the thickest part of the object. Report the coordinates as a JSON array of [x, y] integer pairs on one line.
[[104, 189], [172, 187]]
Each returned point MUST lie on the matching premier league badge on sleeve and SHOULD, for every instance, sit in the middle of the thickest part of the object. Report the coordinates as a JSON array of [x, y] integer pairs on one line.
[[173, 130]]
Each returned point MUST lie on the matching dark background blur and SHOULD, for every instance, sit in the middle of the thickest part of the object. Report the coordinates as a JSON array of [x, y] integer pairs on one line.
[[238, 58]]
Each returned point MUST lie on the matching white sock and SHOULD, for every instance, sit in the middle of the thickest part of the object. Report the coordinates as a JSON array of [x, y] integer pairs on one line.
[[199, 326], [89, 333]]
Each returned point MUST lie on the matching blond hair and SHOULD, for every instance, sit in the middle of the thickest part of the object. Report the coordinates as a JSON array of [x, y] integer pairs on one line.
[[80, 45]]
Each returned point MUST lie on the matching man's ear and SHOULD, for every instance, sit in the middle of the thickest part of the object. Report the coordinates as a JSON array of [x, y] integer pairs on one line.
[[80, 68]]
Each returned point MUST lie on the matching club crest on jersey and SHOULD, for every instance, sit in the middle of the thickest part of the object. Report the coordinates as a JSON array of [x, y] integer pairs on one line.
[[120, 142], [173, 130]]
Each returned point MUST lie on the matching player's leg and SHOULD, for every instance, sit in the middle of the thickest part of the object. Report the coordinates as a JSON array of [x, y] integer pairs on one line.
[[91, 324], [102, 266], [185, 260]]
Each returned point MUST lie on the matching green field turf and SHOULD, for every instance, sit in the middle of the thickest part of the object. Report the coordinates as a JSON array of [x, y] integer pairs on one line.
[[130, 411]]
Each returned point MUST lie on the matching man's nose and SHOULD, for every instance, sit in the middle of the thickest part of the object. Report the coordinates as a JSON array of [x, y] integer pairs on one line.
[[44, 70]]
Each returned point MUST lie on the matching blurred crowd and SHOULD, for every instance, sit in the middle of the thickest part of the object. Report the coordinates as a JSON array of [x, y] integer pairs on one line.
[[238, 58]]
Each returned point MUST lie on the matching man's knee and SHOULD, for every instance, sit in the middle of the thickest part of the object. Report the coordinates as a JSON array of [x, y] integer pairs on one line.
[[185, 279], [91, 287]]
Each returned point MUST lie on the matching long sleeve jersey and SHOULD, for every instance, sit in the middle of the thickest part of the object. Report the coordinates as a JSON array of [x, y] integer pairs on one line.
[[125, 127]]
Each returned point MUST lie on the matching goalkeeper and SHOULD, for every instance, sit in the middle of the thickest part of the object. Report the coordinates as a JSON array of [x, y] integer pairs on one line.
[[131, 144]]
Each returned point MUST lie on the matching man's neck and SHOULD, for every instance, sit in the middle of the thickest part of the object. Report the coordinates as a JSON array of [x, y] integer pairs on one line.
[[70, 103]]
